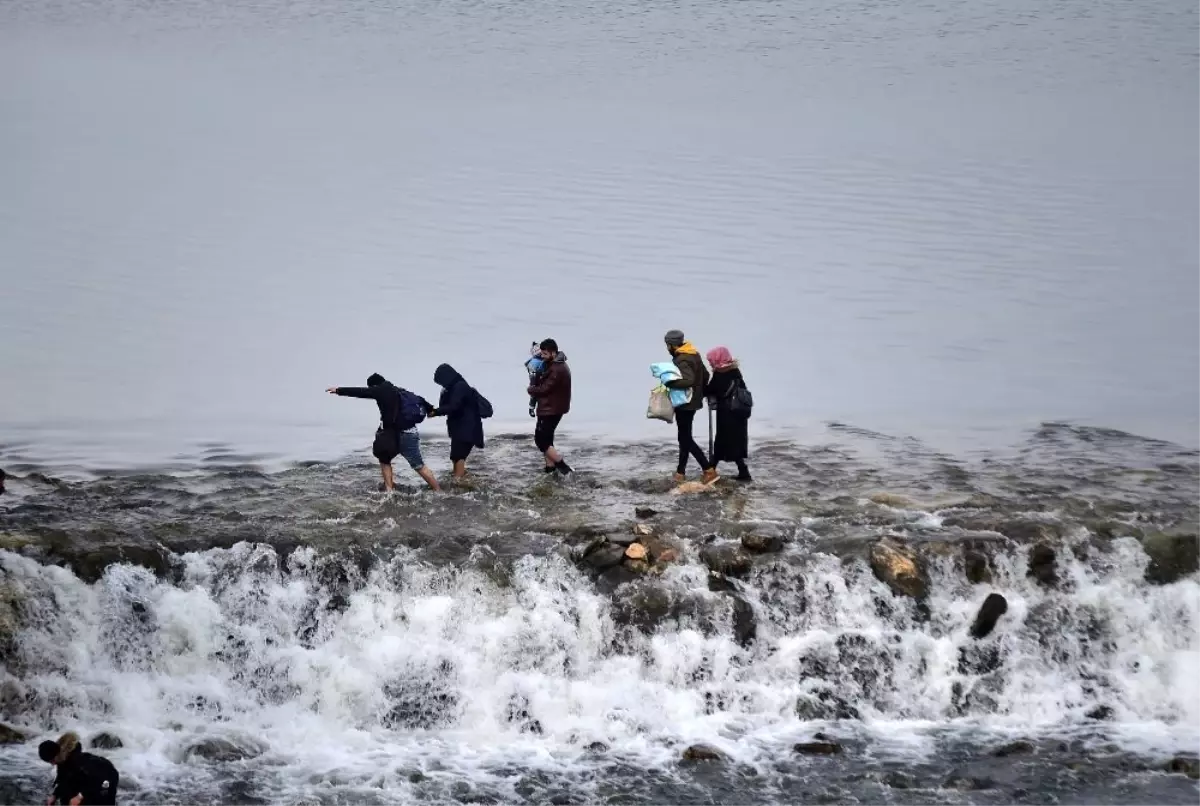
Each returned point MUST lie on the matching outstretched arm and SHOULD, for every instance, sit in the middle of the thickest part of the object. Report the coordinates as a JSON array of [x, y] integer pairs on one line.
[[354, 391]]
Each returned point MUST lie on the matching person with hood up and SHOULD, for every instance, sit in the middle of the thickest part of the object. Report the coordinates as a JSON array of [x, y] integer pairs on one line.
[[693, 376], [733, 428], [552, 390], [464, 409], [83, 778], [399, 412]]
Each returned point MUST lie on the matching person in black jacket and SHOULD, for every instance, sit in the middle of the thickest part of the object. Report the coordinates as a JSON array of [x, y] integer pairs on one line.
[[460, 404], [732, 443], [396, 436], [83, 778]]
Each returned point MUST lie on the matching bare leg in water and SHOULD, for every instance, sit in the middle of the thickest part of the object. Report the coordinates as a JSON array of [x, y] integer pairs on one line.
[[427, 474], [389, 482]]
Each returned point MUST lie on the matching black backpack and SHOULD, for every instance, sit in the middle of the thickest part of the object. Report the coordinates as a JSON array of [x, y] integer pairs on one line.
[[740, 401], [411, 411]]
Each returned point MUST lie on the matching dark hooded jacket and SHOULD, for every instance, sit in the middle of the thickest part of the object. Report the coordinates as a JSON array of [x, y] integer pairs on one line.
[[81, 773], [387, 397], [552, 388], [460, 405]]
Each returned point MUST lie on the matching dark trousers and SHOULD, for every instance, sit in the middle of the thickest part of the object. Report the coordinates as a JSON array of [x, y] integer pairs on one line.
[[684, 419]]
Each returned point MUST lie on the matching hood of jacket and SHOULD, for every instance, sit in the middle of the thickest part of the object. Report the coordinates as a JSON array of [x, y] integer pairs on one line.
[[68, 743], [561, 358], [445, 375]]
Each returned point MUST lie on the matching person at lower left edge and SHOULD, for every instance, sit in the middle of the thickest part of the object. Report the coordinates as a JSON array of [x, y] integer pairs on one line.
[[399, 413], [83, 778]]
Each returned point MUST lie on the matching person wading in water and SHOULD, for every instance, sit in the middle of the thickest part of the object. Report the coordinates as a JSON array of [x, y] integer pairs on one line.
[[694, 376], [83, 778], [732, 443], [552, 390], [399, 412]]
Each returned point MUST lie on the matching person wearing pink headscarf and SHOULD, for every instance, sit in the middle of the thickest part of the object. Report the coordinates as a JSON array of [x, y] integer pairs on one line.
[[732, 442]]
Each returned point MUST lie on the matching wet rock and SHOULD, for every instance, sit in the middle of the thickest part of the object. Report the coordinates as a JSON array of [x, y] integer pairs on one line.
[[1173, 555], [645, 512], [644, 605], [897, 567], [745, 623], [978, 659], [222, 751], [976, 567], [597, 747], [623, 539], [1111, 529], [1101, 713], [1021, 747], [1184, 765], [10, 735], [762, 543], [719, 583], [107, 741], [994, 606], [703, 752], [90, 565], [726, 558], [817, 748], [603, 556], [635, 551], [967, 783], [660, 551], [643, 529], [898, 780], [518, 714], [612, 579], [425, 699], [824, 705], [1043, 565], [1025, 530]]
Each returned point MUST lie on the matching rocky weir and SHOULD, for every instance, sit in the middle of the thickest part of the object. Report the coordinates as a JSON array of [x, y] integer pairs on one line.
[[906, 628]]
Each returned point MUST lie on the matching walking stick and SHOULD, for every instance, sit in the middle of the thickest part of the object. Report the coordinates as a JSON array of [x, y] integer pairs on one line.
[[710, 436]]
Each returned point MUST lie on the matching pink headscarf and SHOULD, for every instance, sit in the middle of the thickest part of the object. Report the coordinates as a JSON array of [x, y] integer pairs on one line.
[[719, 357]]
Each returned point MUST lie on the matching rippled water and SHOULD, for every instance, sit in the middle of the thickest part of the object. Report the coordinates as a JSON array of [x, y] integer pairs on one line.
[[955, 245], [954, 220]]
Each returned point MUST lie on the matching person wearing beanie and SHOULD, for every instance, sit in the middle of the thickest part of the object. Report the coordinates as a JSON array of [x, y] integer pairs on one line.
[[551, 388], [399, 412], [694, 377], [83, 778], [732, 443]]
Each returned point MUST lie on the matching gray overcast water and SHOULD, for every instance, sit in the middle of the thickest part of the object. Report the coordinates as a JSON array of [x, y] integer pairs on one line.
[[949, 220]]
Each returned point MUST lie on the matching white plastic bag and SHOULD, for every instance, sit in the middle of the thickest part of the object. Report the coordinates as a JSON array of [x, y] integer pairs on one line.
[[660, 407]]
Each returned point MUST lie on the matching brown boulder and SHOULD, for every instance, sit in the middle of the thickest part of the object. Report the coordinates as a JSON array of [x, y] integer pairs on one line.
[[703, 752], [898, 568], [728, 559]]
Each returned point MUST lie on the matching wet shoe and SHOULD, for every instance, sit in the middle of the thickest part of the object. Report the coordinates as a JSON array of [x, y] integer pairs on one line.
[[564, 468], [745, 478], [710, 476], [549, 469], [680, 478]]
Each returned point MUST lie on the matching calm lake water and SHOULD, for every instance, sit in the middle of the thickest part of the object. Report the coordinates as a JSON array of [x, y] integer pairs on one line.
[[949, 220]]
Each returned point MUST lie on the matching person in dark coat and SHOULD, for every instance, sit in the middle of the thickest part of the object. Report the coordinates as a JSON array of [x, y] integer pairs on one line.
[[460, 405], [732, 443], [83, 778], [394, 436], [552, 391], [694, 376]]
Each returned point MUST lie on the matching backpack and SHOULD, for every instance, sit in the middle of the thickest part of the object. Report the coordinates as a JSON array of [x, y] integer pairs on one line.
[[740, 401], [411, 410], [485, 408]]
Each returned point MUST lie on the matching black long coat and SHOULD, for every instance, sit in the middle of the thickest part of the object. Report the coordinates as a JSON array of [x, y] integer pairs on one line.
[[732, 441]]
